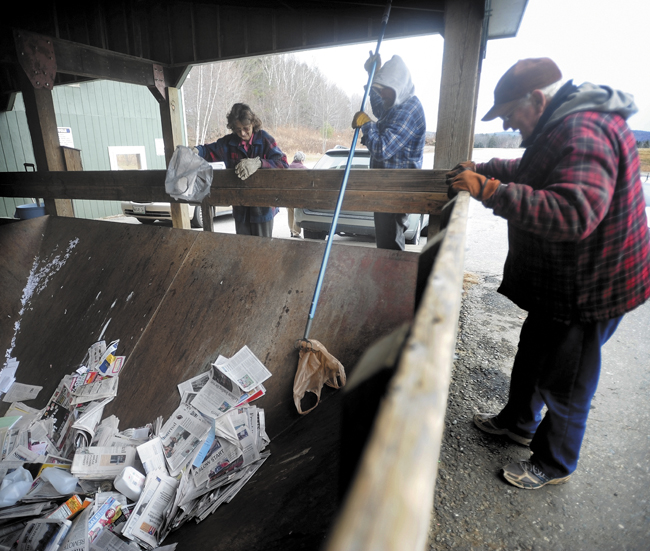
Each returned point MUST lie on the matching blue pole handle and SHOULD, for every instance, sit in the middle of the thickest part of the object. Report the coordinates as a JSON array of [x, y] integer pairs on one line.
[[344, 183]]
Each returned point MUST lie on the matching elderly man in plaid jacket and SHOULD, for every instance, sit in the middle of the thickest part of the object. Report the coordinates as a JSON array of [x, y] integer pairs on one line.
[[578, 256]]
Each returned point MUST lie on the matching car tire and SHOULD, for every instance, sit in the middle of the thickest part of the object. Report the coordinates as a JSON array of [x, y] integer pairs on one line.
[[146, 221], [197, 219], [314, 234], [415, 240]]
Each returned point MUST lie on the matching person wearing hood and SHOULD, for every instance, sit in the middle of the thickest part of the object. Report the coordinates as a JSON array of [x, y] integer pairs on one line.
[[396, 139], [578, 253]]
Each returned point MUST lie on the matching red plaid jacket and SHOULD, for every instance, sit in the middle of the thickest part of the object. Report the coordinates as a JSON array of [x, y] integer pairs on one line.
[[579, 246]]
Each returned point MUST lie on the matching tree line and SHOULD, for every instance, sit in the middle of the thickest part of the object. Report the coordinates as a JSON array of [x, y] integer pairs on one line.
[[500, 140], [282, 91]]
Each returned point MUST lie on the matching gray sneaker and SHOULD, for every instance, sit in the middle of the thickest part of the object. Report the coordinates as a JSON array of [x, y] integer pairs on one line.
[[488, 423], [527, 475]]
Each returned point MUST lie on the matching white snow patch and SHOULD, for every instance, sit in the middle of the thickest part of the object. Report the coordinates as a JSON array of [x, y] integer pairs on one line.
[[101, 336], [37, 281]]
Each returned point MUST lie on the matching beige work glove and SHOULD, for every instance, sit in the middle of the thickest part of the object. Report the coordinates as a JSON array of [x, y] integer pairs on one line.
[[195, 150], [359, 119], [246, 167]]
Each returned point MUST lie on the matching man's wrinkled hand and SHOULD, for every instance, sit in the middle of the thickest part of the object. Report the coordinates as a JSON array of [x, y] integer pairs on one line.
[[368, 64], [359, 119], [480, 187], [246, 167]]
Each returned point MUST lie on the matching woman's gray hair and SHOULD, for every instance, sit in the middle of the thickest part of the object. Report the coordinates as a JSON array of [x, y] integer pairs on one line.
[[299, 157]]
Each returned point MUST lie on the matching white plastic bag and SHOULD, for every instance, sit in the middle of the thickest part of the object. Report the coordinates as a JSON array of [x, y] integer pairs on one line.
[[63, 481], [15, 486], [188, 176]]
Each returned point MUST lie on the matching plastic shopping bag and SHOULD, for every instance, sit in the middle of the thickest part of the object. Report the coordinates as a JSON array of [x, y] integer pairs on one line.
[[15, 486], [188, 176], [316, 367]]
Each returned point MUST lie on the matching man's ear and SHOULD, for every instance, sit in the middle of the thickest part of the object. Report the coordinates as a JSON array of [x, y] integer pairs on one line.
[[538, 100]]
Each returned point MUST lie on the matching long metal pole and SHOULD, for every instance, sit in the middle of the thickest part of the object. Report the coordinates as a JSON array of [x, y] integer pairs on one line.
[[339, 202]]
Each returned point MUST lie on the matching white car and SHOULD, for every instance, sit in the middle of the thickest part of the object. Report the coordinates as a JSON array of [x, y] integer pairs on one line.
[[316, 223], [148, 213]]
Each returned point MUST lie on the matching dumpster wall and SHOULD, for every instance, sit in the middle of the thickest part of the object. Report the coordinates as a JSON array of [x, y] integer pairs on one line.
[[176, 300]]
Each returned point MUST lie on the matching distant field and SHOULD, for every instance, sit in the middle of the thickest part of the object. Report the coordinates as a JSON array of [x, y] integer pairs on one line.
[[644, 155]]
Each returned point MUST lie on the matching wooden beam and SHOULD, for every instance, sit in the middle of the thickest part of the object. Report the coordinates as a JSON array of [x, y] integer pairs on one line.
[[390, 502], [459, 82], [77, 59], [171, 118], [368, 190], [41, 119]]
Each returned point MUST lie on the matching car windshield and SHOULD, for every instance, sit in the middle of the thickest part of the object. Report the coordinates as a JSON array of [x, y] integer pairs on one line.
[[329, 161]]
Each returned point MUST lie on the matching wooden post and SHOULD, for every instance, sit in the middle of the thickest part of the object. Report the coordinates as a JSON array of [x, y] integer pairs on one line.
[[461, 64], [41, 120], [72, 158], [170, 115], [461, 67], [208, 215]]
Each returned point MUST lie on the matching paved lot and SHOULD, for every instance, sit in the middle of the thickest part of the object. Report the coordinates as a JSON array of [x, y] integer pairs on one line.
[[606, 504]]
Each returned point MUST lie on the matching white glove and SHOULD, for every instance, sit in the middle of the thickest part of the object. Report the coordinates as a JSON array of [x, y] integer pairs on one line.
[[246, 167]]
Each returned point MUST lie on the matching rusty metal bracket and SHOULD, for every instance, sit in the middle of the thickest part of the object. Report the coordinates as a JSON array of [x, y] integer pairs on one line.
[[36, 56]]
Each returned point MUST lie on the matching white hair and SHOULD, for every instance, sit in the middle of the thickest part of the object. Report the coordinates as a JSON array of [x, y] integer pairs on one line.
[[548, 91]]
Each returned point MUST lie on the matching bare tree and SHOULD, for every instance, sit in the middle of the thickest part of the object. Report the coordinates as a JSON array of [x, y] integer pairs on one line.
[[282, 91]]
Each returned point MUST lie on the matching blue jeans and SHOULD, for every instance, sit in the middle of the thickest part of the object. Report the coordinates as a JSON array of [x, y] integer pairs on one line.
[[557, 365], [389, 230]]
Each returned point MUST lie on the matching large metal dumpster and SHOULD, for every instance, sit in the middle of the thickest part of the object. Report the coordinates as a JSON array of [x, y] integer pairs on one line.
[[176, 299]]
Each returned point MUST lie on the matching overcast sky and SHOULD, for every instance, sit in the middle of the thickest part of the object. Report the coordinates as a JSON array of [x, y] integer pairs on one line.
[[603, 42]]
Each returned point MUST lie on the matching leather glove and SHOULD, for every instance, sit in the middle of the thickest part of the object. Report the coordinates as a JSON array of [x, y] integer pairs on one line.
[[195, 150], [467, 165], [246, 167], [359, 119], [368, 64], [480, 187]]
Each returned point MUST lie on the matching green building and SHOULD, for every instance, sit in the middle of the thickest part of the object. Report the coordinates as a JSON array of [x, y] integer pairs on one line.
[[115, 126]]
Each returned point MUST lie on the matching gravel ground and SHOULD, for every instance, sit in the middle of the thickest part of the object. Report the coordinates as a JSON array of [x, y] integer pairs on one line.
[[606, 504]]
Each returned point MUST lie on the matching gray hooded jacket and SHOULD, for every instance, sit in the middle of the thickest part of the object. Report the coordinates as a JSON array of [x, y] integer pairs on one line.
[[586, 97], [395, 74]]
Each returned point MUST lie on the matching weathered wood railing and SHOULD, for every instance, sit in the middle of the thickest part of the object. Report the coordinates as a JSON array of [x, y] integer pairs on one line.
[[389, 505], [390, 501], [422, 191]]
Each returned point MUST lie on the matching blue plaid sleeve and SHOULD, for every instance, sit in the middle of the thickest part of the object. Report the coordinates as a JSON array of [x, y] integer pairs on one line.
[[397, 140]]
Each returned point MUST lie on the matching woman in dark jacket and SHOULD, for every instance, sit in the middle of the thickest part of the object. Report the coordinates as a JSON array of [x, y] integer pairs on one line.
[[247, 149]]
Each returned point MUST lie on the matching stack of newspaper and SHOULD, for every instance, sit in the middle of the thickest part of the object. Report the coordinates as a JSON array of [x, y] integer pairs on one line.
[[131, 487]]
